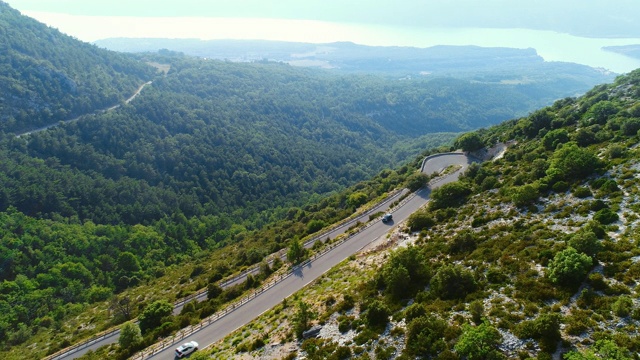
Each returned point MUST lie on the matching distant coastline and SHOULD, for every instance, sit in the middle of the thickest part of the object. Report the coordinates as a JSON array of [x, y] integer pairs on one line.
[[552, 46], [627, 50]]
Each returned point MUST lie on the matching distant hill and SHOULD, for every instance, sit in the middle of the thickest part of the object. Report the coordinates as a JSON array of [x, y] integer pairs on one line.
[[628, 50], [46, 76], [214, 137], [481, 64]]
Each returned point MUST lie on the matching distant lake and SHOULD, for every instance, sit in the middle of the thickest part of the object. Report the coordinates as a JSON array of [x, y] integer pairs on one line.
[[552, 46]]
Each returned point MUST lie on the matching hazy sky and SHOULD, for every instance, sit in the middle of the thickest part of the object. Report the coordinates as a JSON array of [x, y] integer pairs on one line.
[[539, 24], [596, 18]]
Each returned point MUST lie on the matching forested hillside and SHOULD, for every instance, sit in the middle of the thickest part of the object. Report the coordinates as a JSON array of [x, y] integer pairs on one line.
[[46, 76], [533, 255], [245, 158], [225, 138], [482, 64]]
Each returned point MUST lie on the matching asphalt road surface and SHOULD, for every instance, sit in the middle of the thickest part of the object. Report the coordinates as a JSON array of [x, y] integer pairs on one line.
[[273, 296], [244, 314]]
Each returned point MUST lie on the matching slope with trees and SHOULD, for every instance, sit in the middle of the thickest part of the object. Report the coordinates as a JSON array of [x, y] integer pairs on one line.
[[47, 76], [219, 164], [555, 276]]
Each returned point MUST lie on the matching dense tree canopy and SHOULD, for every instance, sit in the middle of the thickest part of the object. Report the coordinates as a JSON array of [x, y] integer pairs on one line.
[[469, 142], [48, 76], [573, 162], [449, 195], [569, 267]]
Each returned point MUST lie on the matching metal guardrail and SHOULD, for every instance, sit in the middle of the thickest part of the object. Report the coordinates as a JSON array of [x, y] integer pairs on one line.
[[180, 335], [75, 348], [189, 330], [202, 292]]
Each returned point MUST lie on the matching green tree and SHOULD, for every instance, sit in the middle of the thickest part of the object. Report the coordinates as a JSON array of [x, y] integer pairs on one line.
[[623, 306], [130, 335], [553, 138], [128, 262], [585, 137], [425, 336], [416, 181], [573, 162], [396, 279], [296, 252], [631, 126], [586, 242], [469, 142], [420, 220], [415, 311], [605, 216], [405, 272], [213, 291], [453, 282], [377, 315], [153, 314], [545, 328], [569, 267], [302, 319], [600, 112], [463, 242], [476, 309], [449, 195], [603, 349], [315, 225], [479, 342], [357, 198]]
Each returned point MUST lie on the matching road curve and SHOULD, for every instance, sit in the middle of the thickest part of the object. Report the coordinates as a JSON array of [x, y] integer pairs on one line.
[[245, 313], [77, 118], [435, 163], [112, 337]]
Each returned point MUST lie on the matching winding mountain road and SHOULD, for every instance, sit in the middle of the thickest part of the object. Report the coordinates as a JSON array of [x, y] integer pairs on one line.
[[303, 275], [79, 117]]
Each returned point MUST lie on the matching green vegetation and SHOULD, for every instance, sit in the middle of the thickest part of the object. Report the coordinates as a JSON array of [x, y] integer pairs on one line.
[[48, 76], [469, 142], [219, 164], [479, 342], [130, 336], [449, 195], [569, 267], [603, 349], [546, 253]]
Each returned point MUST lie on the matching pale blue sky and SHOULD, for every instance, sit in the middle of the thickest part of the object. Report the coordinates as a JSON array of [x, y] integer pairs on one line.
[[540, 24], [595, 18]]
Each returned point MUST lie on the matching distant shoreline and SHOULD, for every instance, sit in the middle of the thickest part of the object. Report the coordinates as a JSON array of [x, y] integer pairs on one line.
[[551, 45]]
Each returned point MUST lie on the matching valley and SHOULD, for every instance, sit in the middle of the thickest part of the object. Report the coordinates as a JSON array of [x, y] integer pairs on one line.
[[237, 315], [155, 213]]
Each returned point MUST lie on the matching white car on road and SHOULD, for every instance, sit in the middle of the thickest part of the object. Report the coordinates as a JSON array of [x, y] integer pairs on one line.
[[186, 349]]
